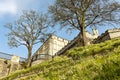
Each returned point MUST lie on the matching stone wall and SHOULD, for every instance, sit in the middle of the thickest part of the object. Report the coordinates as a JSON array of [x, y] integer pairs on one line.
[[4, 67], [77, 41], [9, 66], [58, 46], [37, 62], [51, 46], [114, 33], [92, 36], [14, 63], [109, 34]]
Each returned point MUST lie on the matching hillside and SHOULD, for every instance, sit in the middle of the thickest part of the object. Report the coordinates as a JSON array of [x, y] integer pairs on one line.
[[95, 62]]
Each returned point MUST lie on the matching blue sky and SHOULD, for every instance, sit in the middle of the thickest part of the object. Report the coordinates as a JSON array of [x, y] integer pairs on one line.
[[10, 10]]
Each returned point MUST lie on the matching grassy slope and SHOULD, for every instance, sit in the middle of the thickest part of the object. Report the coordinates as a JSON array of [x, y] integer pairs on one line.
[[94, 62]]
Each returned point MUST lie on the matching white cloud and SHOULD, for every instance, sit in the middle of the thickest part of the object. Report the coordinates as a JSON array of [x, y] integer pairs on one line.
[[15, 7], [8, 6]]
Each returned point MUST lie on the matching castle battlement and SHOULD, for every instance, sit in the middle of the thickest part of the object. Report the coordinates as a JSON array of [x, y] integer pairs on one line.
[[109, 34]]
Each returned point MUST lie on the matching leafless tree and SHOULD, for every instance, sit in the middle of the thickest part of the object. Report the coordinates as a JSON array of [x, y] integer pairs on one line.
[[80, 14], [31, 28]]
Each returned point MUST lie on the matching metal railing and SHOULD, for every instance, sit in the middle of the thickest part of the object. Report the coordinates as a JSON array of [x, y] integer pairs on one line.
[[9, 56]]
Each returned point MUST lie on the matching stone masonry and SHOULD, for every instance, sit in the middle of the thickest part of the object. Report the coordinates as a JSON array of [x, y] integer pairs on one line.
[[3, 68], [109, 34], [51, 46], [55, 45], [14, 63], [9, 66]]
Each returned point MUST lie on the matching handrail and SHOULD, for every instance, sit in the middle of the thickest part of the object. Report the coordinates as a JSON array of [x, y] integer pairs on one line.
[[9, 56]]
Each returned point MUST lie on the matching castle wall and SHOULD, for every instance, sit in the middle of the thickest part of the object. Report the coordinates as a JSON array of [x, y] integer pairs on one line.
[[114, 34], [14, 63], [8, 66], [56, 44], [37, 62], [109, 34], [102, 37], [91, 36], [77, 41], [3, 68], [51, 46]]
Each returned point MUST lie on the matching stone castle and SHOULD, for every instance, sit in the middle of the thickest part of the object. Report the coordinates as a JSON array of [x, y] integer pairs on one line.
[[58, 46], [54, 46], [49, 48]]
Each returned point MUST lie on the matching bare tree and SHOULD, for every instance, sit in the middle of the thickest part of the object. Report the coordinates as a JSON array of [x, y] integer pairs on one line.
[[30, 29], [80, 14]]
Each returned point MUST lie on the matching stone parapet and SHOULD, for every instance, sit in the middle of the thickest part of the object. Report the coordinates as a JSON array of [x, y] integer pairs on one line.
[[109, 34]]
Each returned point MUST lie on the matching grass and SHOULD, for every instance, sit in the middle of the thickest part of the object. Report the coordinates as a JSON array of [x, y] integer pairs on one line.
[[95, 62]]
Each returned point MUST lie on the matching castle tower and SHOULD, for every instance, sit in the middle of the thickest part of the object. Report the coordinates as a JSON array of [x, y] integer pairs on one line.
[[95, 31]]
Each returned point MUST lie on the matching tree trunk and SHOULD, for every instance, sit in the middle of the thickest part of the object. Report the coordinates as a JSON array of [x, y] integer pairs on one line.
[[83, 34], [29, 56], [83, 37]]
